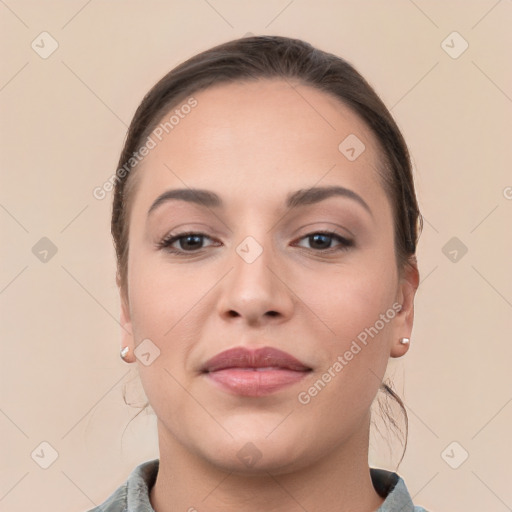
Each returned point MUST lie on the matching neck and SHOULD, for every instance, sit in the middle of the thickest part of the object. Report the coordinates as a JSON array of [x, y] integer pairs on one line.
[[338, 482]]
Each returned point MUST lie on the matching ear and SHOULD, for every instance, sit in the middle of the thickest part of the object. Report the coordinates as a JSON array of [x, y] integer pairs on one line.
[[404, 319], [126, 327]]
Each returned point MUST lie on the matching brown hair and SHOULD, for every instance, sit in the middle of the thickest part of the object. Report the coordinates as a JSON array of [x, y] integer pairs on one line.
[[267, 57]]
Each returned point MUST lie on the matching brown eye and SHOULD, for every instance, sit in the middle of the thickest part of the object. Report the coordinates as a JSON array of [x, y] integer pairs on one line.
[[190, 242], [183, 242], [321, 241]]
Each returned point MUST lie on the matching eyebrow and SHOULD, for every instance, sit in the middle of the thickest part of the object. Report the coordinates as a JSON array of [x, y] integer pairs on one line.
[[296, 199]]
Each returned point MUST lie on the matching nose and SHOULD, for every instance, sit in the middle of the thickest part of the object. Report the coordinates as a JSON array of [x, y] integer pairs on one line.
[[255, 291]]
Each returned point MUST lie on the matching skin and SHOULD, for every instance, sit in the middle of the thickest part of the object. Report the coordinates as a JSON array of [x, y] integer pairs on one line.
[[253, 144]]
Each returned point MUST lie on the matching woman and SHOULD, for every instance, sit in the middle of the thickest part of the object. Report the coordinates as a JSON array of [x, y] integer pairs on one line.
[[265, 224]]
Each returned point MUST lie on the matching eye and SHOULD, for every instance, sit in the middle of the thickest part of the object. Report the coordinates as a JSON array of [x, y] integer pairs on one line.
[[321, 241], [188, 242], [192, 242]]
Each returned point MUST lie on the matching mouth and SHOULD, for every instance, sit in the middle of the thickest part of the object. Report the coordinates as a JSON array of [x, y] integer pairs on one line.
[[254, 372]]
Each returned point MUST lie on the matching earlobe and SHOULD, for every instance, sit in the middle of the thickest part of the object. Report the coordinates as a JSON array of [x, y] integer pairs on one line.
[[127, 342], [404, 320]]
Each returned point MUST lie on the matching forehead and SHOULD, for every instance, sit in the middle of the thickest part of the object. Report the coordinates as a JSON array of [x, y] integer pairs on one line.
[[266, 136]]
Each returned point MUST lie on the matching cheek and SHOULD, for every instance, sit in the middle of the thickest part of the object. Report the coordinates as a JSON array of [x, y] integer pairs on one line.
[[162, 309], [358, 307], [347, 298], [167, 304], [160, 295], [355, 304]]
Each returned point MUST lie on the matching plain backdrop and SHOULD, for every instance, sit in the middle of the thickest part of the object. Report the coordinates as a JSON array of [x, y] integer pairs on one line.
[[73, 72]]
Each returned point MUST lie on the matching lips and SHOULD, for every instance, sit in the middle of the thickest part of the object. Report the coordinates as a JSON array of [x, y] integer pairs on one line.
[[254, 372], [266, 357]]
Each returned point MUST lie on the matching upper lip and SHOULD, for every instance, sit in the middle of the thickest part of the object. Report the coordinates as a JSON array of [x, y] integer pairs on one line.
[[240, 357]]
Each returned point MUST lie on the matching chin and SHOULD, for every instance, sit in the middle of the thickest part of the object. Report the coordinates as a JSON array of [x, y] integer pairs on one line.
[[252, 459], [254, 453]]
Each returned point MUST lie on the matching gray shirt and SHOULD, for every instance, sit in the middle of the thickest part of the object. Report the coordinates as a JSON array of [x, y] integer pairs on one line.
[[133, 495]]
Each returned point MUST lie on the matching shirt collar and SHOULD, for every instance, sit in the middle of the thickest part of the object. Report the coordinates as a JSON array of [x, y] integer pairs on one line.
[[134, 494]]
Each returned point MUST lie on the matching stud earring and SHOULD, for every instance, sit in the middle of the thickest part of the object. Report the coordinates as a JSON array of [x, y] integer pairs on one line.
[[404, 341], [124, 352]]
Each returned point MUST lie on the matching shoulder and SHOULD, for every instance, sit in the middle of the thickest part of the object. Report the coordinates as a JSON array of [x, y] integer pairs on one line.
[[133, 495], [116, 502], [392, 487]]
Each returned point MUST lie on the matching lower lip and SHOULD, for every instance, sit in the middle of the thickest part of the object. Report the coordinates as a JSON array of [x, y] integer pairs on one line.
[[250, 382]]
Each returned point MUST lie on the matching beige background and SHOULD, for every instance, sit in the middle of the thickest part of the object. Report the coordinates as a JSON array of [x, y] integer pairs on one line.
[[63, 121]]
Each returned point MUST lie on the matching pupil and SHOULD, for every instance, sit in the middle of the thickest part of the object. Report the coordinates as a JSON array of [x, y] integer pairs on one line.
[[316, 237], [192, 237]]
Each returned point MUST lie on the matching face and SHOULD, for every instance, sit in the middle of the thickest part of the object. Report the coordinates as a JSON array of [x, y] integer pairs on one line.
[[267, 266]]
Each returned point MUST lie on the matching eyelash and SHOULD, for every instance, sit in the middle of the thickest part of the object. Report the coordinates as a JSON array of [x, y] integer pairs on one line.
[[165, 243]]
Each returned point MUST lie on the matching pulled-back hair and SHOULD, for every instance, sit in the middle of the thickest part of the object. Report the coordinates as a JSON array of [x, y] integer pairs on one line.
[[298, 62]]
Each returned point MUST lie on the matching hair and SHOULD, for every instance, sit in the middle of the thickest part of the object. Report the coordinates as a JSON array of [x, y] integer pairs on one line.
[[275, 57]]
